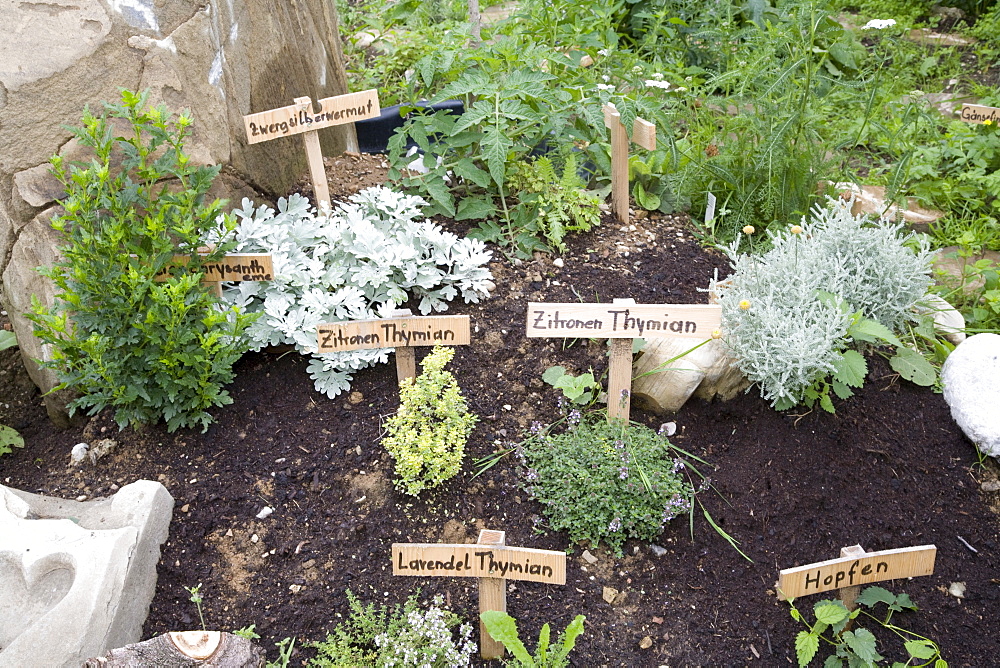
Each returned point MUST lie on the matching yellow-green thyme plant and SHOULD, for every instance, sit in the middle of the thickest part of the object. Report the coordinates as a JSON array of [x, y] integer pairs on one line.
[[427, 435]]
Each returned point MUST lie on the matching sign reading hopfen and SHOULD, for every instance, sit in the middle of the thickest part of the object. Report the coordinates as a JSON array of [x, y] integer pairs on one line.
[[856, 567], [489, 560], [301, 118], [974, 113], [622, 321]]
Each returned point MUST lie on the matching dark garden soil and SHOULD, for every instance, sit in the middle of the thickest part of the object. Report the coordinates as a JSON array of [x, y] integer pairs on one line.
[[889, 470]]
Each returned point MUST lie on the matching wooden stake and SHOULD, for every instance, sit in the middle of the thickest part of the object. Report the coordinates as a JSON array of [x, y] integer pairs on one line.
[[620, 376], [314, 154], [643, 134], [406, 358], [492, 596]]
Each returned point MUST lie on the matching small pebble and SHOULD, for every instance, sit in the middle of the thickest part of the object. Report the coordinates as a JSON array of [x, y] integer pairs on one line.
[[657, 550], [264, 513], [558, 262], [957, 589], [991, 486]]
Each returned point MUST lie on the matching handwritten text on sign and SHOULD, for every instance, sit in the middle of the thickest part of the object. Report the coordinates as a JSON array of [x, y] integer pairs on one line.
[[448, 330], [295, 119], [479, 561], [907, 562], [619, 321], [246, 267], [973, 113]]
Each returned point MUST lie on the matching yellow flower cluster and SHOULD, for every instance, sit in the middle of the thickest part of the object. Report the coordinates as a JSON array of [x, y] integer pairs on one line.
[[427, 435]]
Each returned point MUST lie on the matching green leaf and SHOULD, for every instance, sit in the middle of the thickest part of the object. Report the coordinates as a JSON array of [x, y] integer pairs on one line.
[[495, 145], [833, 661], [862, 643], [503, 627], [806, 646], [826, 403], [9, 438], [831, 613], [851, 368], [872, 595], [553, 373], [572, 632], [842, 391], [648, 201], [872, 331], [912, 366], [7, 339], [468, 170], [475, 208], [920, 649]]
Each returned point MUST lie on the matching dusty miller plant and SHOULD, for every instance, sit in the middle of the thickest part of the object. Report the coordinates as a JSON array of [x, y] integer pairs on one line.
[[358, 260], [791, 316]]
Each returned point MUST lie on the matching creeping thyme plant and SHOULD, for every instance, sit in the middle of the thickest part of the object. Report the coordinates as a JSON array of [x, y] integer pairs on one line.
[[793, 315], [359, 260], [427, 435], [402, 638], [604, 483]]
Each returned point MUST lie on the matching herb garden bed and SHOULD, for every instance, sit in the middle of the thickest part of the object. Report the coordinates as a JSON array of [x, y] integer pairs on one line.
[[889, 470]]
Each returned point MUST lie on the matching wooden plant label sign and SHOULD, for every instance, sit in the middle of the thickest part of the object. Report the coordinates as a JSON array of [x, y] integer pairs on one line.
[[479, 561], [860, 569], [973, 113], [623, 321], [300, 117], [448, 330], [489, 560], [243, 267]]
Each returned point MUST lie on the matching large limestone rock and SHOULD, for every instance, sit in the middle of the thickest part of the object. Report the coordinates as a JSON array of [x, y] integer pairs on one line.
[[971, 379], [663, 384], [221, 60], [76, 579]]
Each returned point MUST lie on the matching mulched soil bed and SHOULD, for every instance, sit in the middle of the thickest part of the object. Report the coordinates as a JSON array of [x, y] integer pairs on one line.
[[889, 470]]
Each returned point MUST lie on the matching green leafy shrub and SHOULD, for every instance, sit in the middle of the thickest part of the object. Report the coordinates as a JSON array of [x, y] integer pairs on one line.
[[359, 260], [408, 637], [147, 349], [791, 315], [427, 435], [604, 483], [503, 627], [858, 647]]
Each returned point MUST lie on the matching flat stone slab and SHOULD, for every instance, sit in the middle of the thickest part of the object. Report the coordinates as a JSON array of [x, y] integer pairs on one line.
[[77, 578]]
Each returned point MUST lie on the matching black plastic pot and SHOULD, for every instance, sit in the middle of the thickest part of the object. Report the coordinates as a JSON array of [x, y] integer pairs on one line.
[[374, 133]]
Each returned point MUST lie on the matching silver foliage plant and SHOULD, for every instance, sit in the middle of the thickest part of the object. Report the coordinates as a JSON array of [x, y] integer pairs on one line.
[[782, 332], [360, 259]]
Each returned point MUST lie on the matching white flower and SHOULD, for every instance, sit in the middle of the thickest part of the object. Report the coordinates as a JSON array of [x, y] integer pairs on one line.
[[665, 85], [602, 52], [879, 24], [606, 78], [658, 76], [605, 87]]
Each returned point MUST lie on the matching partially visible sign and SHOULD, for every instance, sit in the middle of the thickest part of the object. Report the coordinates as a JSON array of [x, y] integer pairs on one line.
[[973, 113], [431, 330], [907, 562], [244, 267], [298, 118], [623, 321]]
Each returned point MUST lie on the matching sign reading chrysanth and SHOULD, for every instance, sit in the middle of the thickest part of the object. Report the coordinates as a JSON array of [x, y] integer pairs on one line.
[[623, 321], [244, 267], [300, 117]]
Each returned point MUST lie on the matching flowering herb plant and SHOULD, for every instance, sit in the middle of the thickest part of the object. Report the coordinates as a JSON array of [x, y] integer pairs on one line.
[[603, 482]]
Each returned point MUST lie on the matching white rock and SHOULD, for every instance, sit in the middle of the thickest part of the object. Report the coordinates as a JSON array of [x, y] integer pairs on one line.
[[265, 512], [948, 321], [78, 453], [957, 589], [971, 379], [558, 262]]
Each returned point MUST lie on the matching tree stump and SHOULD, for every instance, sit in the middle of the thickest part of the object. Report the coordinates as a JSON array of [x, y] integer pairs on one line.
[[184, 649]]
